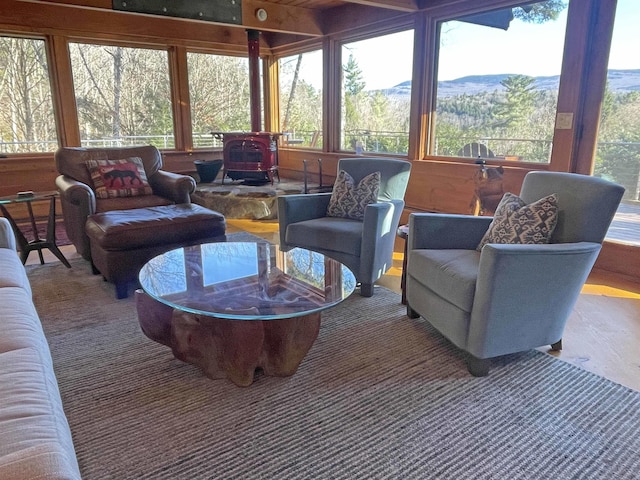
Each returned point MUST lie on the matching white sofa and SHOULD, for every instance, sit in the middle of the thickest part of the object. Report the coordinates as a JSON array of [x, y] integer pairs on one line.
[[35, 439]]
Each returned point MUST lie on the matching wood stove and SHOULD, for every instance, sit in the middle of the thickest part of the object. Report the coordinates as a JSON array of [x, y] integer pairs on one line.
[[252, 156]]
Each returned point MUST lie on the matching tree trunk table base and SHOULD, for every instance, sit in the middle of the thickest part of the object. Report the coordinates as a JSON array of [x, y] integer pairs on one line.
[[232, 349]]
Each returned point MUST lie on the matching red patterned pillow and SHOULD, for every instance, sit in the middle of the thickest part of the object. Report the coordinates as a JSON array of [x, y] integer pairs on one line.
[[119, 178]]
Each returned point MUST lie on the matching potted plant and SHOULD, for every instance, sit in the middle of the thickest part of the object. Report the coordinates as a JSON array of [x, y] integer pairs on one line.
[[208, 169]]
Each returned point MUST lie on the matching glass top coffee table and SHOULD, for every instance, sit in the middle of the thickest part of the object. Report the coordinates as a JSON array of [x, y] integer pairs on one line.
[[236, 307]]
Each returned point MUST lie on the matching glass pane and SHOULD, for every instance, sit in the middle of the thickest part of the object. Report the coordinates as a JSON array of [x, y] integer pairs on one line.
[[219, 94], [123, 95], [27, 122], [376, 93], [618, 152], [301, 99], [498, 77]]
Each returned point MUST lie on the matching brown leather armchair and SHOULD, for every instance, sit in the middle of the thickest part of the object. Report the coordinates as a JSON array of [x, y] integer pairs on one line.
[[78, 198]]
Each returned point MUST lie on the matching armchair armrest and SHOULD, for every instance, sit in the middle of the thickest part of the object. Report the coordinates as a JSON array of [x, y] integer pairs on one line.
[[78, 202], [173, 186], [76, 193], [297, 208], [378, 236], [7, 237], [525, 293], [440, 231]]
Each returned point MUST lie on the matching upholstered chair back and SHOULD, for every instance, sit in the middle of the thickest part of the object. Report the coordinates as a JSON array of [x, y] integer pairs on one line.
[[71, 161], [586, 204], [394, 174]]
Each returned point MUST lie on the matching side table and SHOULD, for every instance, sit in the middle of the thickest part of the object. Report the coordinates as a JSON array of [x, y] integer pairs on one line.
[[403, 233], [37, 243]]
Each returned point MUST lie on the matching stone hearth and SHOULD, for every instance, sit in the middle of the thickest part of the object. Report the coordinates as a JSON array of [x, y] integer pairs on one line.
[[235, 200]]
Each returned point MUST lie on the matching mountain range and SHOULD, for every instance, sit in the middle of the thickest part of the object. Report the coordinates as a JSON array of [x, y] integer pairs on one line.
[[619, 81]]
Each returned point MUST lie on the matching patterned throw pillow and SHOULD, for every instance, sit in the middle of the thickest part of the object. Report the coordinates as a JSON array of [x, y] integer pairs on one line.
[[119, 178], [349, 200], [517, 222]]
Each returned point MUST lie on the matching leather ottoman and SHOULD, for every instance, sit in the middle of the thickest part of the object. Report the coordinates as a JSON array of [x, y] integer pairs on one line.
[[122, 241]]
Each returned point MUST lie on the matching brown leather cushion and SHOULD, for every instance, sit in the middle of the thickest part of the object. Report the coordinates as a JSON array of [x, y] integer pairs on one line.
[[142, 227]]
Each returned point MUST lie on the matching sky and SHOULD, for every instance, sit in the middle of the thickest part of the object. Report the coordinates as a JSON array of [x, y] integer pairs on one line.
[[468, 49]]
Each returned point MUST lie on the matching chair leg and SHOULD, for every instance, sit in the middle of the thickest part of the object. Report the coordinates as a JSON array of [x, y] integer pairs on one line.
[[478, 367], [411, 313], [556, 347], [366, 289], [122, 290]]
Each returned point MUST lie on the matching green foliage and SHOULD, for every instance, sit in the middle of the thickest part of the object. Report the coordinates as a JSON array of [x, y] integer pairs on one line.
[[539, 12], [515, 123], [518, 104], [353, 83], [25, 96], [618, 154]]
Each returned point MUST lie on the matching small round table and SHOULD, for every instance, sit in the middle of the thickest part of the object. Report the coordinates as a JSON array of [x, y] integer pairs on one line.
[[233, 307]]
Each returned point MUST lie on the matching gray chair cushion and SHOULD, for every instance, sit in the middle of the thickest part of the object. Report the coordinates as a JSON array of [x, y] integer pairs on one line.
[[451, 274], [327, 233]]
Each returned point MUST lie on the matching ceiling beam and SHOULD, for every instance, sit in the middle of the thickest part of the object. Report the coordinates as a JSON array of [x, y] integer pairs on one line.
[[280, 18], [402, 5]]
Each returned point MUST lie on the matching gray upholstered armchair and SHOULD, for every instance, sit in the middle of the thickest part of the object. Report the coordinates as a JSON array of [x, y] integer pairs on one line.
[[364, 246], [508, 298], [78, 198]]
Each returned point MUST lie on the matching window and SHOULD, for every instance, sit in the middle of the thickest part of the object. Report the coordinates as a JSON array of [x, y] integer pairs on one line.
[[220, 96], [123, 95], [618, 149], [376, 93], [301, 99], [498, 76], [27, 122]]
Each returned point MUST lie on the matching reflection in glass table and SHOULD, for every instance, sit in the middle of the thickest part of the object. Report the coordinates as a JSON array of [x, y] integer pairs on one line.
[[237, 307]]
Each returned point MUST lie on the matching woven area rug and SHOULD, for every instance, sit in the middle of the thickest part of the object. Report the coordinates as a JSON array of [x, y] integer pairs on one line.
[[41, 227], [378, 396]]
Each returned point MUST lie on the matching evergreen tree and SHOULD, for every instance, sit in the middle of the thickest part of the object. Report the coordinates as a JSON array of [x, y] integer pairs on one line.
[[519, 103], [539, 12]]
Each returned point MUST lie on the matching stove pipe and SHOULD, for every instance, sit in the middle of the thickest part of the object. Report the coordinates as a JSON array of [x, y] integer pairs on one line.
[[254, 78]]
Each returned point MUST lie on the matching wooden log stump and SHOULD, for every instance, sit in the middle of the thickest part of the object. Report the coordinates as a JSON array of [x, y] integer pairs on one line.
[[234, 349]]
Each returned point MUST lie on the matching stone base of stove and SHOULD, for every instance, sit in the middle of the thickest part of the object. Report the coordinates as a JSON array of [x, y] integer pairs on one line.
[[235, 200]]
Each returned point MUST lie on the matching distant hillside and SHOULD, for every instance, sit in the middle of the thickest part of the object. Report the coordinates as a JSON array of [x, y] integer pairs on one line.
[[619, 81]]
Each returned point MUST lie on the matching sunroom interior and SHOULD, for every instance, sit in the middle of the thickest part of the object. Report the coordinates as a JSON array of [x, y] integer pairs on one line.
[[534, 86]]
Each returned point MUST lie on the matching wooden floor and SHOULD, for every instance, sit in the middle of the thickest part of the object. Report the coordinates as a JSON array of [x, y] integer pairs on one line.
[[602, 334]]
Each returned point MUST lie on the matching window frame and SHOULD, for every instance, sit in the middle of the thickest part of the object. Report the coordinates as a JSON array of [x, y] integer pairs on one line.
[[433, 30], [335, 78], [52, 90], [278, 105], [187, 116]]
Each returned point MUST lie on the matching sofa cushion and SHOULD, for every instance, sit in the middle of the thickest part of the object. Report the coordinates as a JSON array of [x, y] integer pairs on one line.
[[515, 222], [119, 178], [349, 200], [21, 326], [12, 272], [451, 273], [35, 434]]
